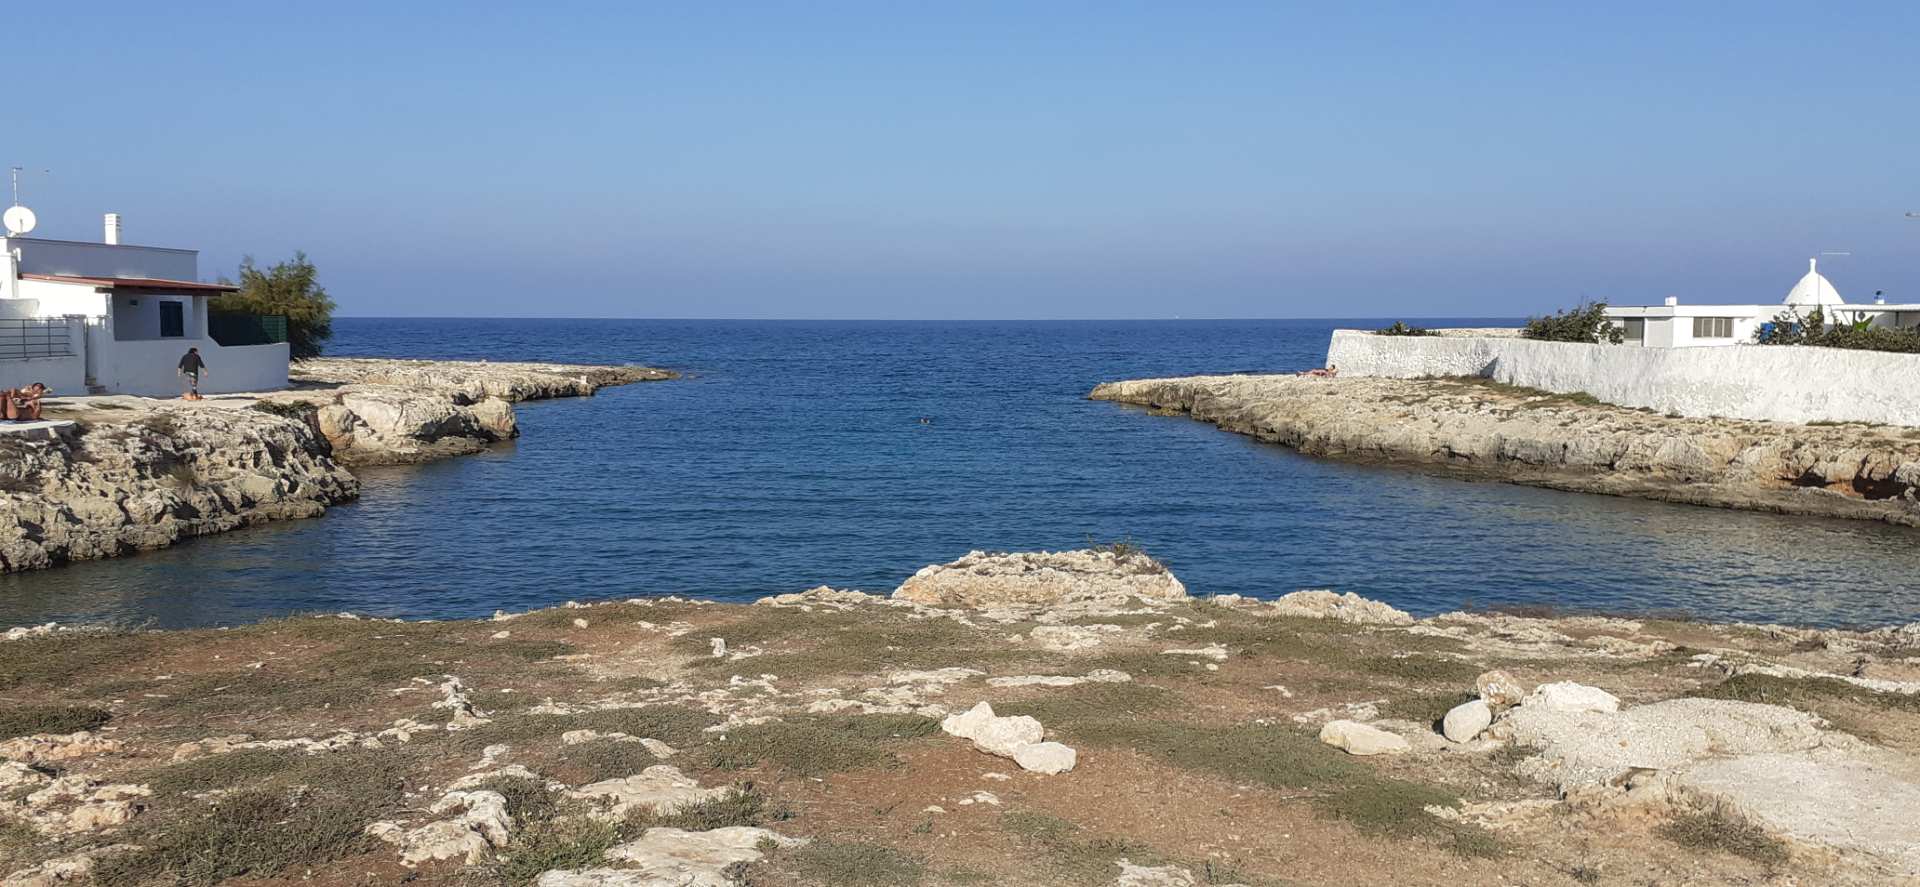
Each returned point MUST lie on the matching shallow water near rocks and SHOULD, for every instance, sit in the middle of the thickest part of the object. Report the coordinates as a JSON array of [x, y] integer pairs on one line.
[[795, 454]]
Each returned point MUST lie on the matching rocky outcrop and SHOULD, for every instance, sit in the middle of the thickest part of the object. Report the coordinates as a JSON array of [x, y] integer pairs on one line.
[[382, 412], [137, 473], [1479, 429], [473, 381], [170, 474], [982, 580]]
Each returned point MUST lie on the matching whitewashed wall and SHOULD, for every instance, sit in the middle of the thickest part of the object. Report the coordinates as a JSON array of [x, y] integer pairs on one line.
[[151, 368], [81, 259], [1788, 384]]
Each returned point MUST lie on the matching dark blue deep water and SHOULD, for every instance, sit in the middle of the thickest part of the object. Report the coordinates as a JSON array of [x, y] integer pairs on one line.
[[792, 455]]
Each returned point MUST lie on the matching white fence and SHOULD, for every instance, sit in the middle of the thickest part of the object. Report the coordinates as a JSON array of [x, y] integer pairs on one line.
[[1780, 383]]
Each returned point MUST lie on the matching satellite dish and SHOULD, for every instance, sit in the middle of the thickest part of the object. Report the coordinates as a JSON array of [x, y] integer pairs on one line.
[[19, 220]]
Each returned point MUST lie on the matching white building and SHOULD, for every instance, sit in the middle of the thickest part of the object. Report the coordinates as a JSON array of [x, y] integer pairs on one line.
[[1674, 325], [109, 318]]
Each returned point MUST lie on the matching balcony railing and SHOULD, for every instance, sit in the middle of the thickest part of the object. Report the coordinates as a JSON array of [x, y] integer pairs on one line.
[[24, 337]]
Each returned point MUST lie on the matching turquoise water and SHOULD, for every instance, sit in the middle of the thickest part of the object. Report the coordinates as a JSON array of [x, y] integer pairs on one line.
[[792, 455]]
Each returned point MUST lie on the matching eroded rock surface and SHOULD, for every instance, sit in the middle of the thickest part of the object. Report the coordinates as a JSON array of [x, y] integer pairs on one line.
[[982, 580], [1555, 441], [671, 857]]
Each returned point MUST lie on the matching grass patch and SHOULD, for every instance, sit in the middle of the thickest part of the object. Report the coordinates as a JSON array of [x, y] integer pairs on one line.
[[857, 864], [1420, 669], [675, 725], [27, 720], [311, 815], [600, 759], [1070, 857], [1718, 828], [539, 847], [818, 746], [1093, 703], [1850, 707], [1425, 708], [55, 661], [16, 836], [1379, 806], [220, 771], [850, 644], [744, 806]]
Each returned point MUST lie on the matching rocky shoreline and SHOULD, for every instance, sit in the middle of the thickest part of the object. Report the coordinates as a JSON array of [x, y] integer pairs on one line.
[[1481, 429], [137, 473], [1025, 719]]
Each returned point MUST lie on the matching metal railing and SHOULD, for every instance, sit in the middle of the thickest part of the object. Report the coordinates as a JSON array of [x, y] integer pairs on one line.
[[24, 337]]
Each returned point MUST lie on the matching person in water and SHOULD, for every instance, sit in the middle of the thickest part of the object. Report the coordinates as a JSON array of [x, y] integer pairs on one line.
[[192, 368], [23, 404]]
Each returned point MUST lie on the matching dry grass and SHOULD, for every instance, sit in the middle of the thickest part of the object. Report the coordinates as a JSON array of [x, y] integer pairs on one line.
[[1718, 828], [27, 720], [818, 746]]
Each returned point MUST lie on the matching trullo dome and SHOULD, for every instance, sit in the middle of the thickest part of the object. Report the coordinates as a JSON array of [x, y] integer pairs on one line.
[[1814, 290]]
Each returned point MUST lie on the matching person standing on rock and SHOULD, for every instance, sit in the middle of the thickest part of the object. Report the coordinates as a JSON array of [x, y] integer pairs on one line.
[[192, 368]]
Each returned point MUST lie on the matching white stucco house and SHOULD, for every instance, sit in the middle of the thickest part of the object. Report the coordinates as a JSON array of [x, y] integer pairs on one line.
[[112, 318], [1674, 325]]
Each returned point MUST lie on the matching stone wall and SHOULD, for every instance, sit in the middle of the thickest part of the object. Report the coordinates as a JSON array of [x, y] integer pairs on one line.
[[1783, 384]]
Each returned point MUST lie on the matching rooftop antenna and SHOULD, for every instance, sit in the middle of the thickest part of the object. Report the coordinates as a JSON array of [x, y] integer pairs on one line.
[[19, 220]]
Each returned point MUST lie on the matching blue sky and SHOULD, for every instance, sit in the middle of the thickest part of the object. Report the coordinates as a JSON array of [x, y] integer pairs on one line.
[[986, 160]]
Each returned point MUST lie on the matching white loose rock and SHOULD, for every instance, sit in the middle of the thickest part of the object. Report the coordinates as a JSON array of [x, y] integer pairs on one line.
[[1466, 720], [993, 734], [1349, 607], [1569, 696], [1046, 757], [1356, 738], [1499, 689]]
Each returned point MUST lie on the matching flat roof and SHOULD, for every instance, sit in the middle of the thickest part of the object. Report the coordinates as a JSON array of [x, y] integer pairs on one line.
[[140, 283], [1743, 310], [164, 249]]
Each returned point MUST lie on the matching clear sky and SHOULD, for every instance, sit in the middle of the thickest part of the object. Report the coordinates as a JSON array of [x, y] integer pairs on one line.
[[986, 160]]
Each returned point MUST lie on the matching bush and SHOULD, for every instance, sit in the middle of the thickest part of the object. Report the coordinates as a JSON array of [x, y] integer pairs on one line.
[[1584, 323], [1789, 328], [1400, 328]]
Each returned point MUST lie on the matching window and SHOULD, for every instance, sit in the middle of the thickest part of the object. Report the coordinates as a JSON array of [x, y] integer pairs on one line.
[[1635, 328], [1713, 327], [173, 320]]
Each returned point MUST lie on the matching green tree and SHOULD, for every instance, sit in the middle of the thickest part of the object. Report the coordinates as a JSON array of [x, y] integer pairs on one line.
[[291, 288]]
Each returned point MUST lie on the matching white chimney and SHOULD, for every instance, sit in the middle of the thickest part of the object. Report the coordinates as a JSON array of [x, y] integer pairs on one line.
[[1673, 300], [113, 228]]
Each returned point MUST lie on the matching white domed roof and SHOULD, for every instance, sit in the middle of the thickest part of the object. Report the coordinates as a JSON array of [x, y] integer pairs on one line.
[[1814, 289]]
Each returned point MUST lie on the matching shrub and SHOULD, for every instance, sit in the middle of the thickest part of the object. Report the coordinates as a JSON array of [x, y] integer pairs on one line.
[[1400, 328], [1583, 323], [289, 288], [1790, 328], [28, 720]]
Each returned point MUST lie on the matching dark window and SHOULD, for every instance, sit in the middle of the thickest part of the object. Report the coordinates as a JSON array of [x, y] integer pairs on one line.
[[1635, 329], [173, 320]]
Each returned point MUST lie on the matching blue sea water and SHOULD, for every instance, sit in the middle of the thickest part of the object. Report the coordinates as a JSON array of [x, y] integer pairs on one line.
[[793, 454]]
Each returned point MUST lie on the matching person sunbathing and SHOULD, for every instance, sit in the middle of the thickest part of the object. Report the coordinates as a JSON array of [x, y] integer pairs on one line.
[[23, 404], [1329, 372]]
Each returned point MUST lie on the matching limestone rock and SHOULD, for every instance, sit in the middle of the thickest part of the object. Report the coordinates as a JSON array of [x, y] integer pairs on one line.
[[1522, 438], [1466, 720], [1499, 689], [993, 734], [1356, 738], [671, 857], [1016, 737], [1569, 696], [1158, 876], [47, 748], [1045, 757], [1349, 607], [480, 826], [661, 788], [1042, 578]]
